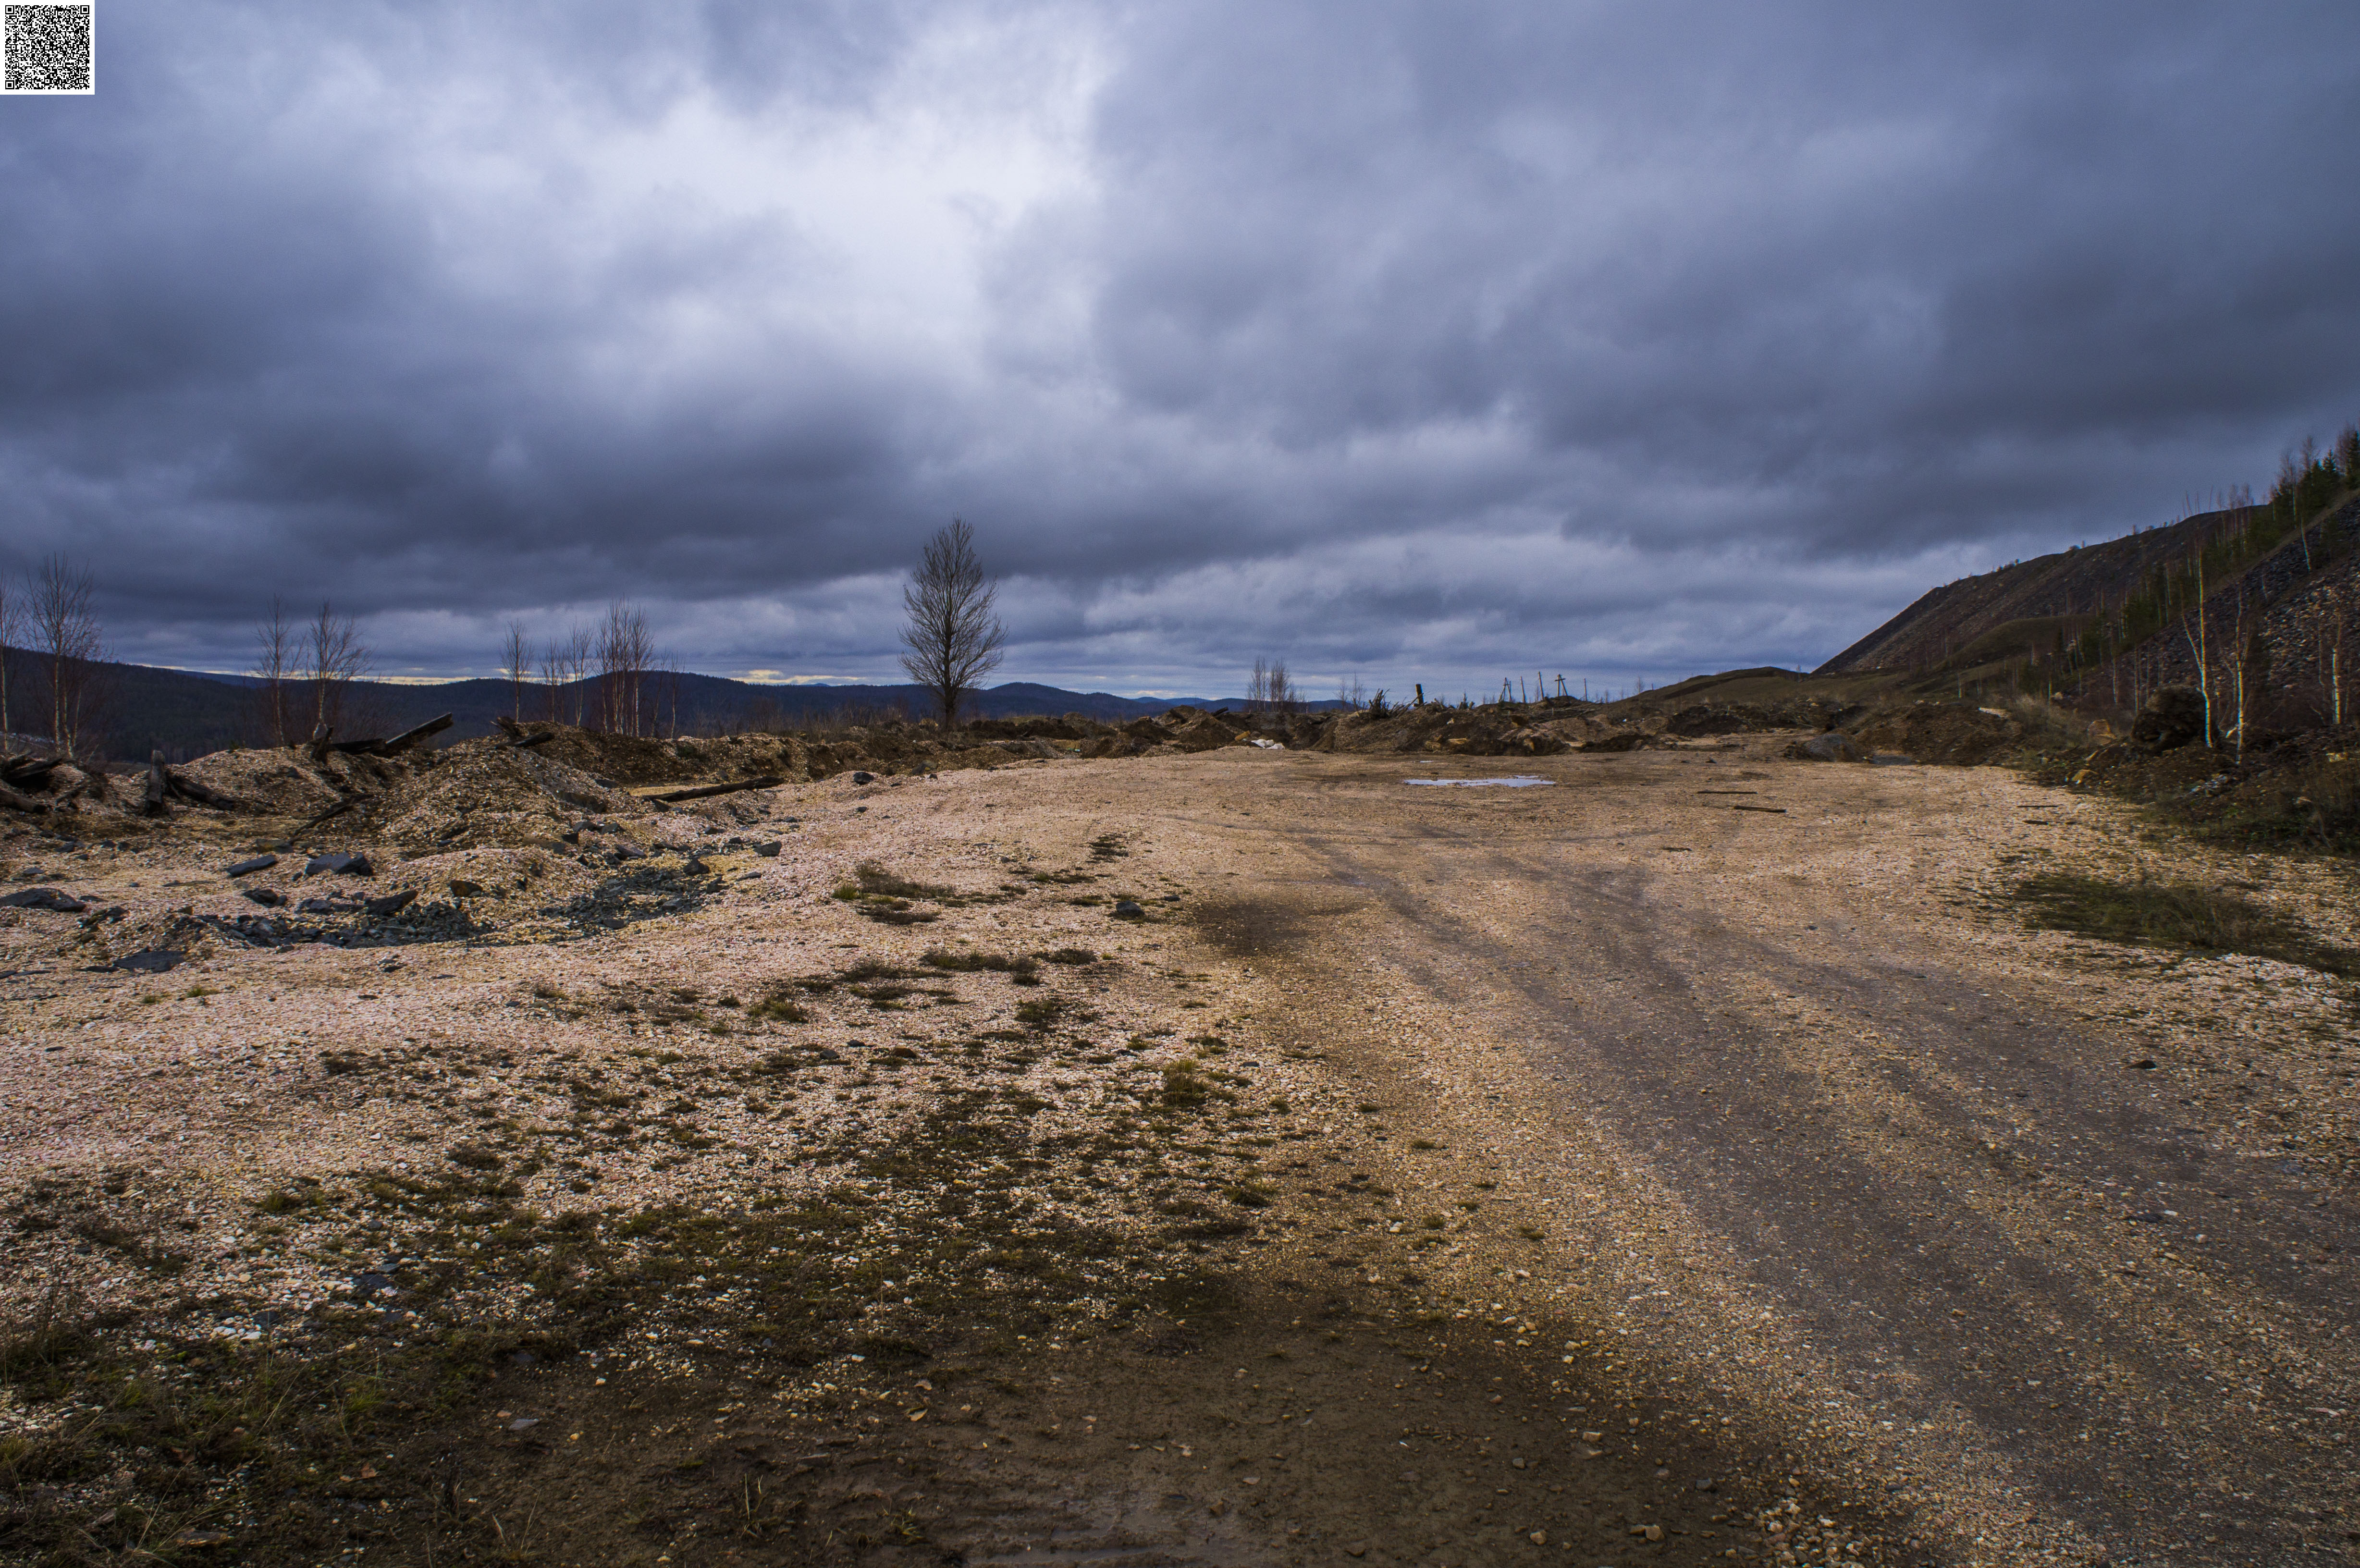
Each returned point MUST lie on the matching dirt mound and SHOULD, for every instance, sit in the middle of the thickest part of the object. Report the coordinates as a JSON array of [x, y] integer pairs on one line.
[[1751, 718], [489, 793], [1953, 733], [1500, 729], [279, 781]]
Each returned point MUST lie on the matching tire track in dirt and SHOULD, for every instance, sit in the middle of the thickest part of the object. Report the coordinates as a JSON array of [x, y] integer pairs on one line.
[[1871, 1184]]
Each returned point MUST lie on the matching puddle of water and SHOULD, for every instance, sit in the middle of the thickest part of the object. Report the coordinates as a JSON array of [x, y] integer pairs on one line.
[[1519, 783]]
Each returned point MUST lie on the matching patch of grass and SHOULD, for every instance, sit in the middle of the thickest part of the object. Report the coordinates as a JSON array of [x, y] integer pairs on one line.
[[879, 883], [779, 1007], [2152, 914], [1070, 955], [975, 962]]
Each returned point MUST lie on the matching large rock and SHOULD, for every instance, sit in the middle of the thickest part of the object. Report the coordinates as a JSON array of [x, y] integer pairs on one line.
[[2173, 718]]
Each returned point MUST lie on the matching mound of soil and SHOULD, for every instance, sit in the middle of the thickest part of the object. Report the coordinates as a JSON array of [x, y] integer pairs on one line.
[[1954, 733]]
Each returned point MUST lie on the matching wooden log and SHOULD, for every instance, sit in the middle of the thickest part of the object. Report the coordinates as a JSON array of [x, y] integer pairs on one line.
[[703, 791], [508, 726], [319, 746], [190, 790], [27, 770], [314, 821], [21, 803]]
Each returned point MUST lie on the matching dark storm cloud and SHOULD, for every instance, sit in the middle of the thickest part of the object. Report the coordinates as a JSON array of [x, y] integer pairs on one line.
[[1398, 339]]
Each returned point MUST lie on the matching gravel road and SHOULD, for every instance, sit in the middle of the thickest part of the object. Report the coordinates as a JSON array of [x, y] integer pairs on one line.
[[1805, 1111]]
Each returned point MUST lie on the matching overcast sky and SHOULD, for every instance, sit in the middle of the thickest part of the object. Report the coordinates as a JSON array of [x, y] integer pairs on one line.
[[1410, 341]]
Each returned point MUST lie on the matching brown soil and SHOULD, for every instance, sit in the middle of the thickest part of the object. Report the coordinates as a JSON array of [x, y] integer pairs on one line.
[[1580, 1174]]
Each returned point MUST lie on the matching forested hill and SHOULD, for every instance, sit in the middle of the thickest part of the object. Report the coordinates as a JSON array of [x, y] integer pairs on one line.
[[2262, 599], [186, 714]]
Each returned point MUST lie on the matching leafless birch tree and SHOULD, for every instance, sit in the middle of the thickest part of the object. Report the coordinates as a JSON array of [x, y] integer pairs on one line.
[[12, 619], [274, 655], [334, 659], [517, 661], [625, 653], [68, 645]]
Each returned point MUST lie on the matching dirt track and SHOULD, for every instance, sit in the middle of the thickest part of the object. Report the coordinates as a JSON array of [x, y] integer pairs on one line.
[[1521, 1160], [1806, 1119]]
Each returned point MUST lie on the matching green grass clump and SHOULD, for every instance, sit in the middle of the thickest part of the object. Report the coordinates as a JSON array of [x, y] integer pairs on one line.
[[2151, 913]]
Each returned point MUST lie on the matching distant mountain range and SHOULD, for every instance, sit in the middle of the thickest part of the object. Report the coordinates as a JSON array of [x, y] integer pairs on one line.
[[187, 714]]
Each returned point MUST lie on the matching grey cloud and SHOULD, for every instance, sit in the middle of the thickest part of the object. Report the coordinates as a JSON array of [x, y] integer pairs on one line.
[[1404, 337]]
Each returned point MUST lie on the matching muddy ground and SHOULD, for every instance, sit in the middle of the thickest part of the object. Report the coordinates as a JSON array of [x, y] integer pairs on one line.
[[1694, 1158]]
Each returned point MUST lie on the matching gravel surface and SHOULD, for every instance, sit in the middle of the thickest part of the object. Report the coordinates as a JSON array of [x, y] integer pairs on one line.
[[1584, 1173]]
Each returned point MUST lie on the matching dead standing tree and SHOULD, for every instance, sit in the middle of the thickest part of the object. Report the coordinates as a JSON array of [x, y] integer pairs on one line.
[[69, 646], [12, 616], [274, 664], [516, 662], [625, 653], [953, 638], [334, 659]]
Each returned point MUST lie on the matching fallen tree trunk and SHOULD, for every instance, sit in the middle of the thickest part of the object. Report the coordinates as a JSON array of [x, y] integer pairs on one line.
[[190, 790], [667, 797], [21, 803], [27, 770], [319, 747]]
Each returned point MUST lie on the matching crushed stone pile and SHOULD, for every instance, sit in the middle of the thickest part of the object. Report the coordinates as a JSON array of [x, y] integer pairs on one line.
[[488, 793], [279, 781]]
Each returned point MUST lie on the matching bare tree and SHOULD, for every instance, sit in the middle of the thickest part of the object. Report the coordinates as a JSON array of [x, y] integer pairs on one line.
[[2328, 627], [69, 644], [625, 652], [953, 638], [517, 661], [12, 619], [2198, 647], [334, 659], [576, 660], [274, 663], [1270, 689]]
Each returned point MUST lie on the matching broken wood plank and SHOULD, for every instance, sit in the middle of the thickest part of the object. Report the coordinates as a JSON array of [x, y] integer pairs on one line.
[[410, 737], [703, 791], [1774, 811], [377, 746]]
